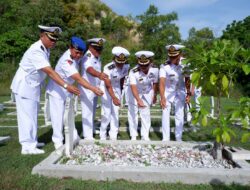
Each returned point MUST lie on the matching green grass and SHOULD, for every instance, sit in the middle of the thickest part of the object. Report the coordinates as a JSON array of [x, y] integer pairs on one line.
[[15, 169]]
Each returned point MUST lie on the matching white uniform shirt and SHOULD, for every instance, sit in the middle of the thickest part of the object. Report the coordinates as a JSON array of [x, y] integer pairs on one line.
[[115, 75], [175, 80], [144, 82], [29, 76], [89, 60], [66, 67]]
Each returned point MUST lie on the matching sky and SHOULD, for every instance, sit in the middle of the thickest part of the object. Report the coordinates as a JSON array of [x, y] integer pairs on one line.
[[215, 14]]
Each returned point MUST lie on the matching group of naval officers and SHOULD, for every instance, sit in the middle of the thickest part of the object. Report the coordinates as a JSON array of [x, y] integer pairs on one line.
[[81, 63]]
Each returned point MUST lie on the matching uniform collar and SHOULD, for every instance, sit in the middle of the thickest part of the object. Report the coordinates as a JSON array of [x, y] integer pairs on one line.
[[92, 55], [47, 51], [69, 55]]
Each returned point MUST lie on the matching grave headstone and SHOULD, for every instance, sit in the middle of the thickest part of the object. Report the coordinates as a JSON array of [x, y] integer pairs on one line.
[[69, 125]]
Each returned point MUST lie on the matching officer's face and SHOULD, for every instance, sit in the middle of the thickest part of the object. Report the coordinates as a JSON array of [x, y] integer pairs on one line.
[[75, 54], [119, 65], [144, 68], [47, 42], [94, 51], [175, 59]]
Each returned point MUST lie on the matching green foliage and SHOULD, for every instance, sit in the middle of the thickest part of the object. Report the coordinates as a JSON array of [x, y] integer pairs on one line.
[[156, 31], [118, 27], [217, 62], [202, 34], [13, 44], [215, 65], [240, 31]]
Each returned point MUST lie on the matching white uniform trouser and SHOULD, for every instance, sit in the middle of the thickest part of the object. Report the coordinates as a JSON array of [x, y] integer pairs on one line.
[[57, 108], [88, 115], [179, 119], [110, 114], [133, 119], [27, 112]]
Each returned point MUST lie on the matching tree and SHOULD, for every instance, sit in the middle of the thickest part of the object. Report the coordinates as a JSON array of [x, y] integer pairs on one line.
[[240, 31], [215, 66], [117, 26], [204, 34], [156, 31]]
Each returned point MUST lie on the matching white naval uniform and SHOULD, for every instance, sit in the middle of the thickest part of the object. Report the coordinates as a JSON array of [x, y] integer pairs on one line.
[[26, 86], [175, 93], [89, 98], [144, 84], [109, 111], [66, 67], [197, 95]]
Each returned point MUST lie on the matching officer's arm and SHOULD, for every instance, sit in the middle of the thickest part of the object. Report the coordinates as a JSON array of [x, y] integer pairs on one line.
[[77, 77], [187, 84], [155, 89], [192, 89], [56, 77], [95, 73], [109, 87], [162, 92], [136, 95], [162, 87]]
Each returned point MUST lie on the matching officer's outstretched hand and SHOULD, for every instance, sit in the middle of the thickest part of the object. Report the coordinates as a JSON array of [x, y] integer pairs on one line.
[[73, 89], [163, 103], [98, 91], [116, 101], [103, 76], [140, 104]]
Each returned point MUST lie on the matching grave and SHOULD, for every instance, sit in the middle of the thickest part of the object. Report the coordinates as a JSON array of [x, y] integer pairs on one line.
[[56, 165]]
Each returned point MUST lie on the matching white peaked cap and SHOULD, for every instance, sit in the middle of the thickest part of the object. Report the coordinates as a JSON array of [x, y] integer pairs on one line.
[[176, 46], [50, 28], [117, 50], [147, 54]]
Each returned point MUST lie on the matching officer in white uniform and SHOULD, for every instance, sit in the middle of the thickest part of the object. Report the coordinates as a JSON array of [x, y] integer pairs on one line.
[[196, 92], [67, 67], [142, 93], [175, 89], [27, 83], [91, 71], [111, 100]]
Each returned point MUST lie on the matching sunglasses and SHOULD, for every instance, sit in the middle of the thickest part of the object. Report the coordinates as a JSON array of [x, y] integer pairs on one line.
[[52, 40], [144, 66]]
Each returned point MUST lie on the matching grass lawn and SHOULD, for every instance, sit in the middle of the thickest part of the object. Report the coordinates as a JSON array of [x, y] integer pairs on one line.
[[15, 169]]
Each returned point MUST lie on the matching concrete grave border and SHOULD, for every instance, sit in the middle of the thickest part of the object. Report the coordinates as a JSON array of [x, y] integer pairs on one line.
[[50, 168]]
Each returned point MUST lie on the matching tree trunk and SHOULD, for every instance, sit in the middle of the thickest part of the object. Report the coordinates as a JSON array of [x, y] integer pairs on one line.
[[217, 151]]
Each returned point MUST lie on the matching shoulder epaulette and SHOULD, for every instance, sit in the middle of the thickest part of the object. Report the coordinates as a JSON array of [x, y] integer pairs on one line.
[[154, 66], [167, 62], [112, 66], [42, 48], [135, 69]]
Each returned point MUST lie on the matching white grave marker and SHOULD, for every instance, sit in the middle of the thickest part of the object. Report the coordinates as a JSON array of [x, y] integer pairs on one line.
[[69, 125]]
